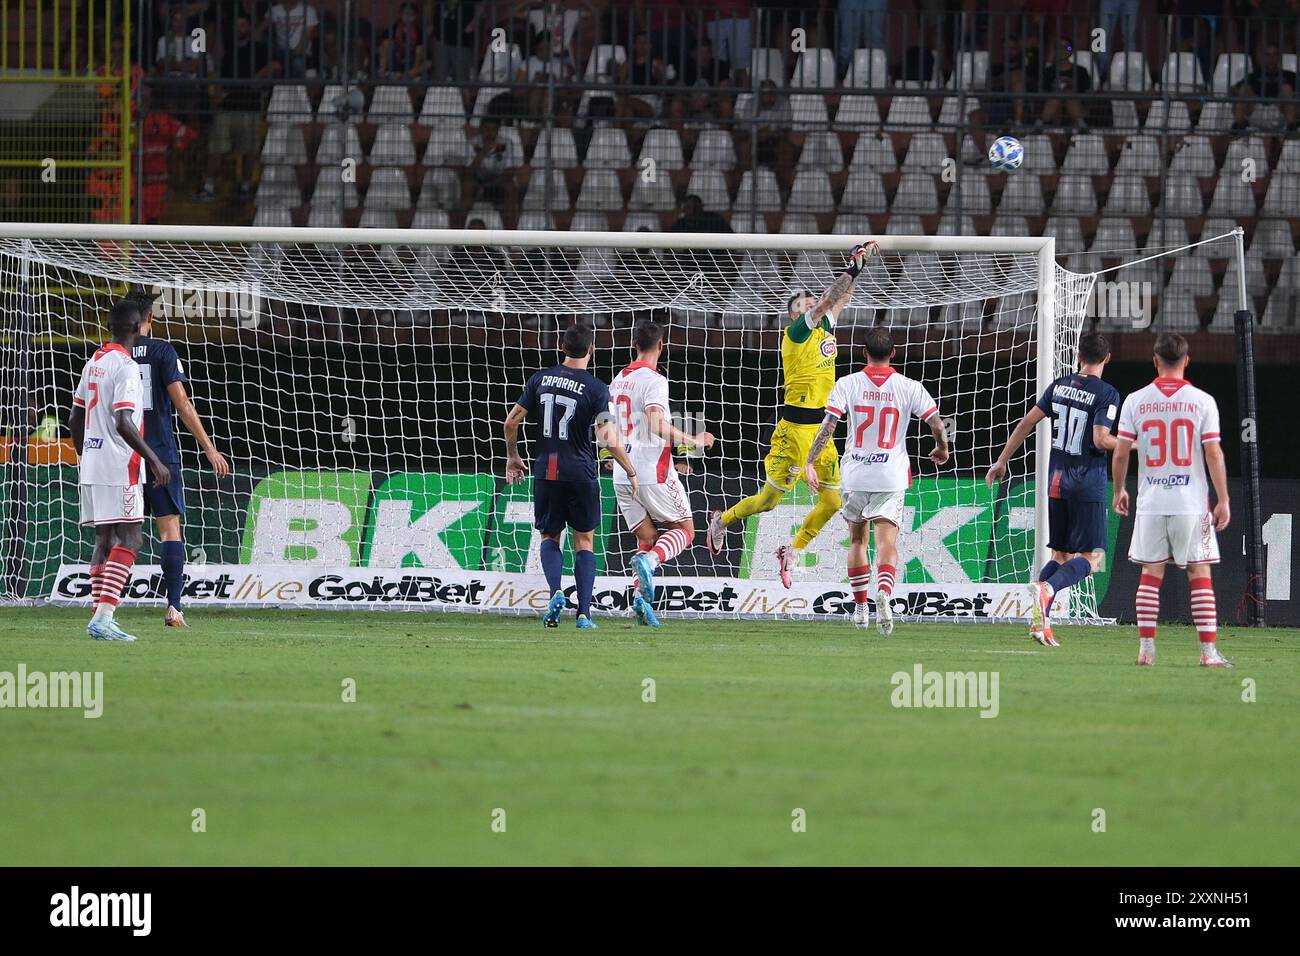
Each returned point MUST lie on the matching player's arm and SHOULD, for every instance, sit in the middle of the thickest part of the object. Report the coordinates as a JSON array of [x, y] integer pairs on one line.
[[840, 292], [1103, 438], [135, 441], [77, 425], [514, 464], [823, 438], [189, 415], [1219, 478], [659, 424], [607, 436], [1024, 428], [939, 455], [1119, 474]]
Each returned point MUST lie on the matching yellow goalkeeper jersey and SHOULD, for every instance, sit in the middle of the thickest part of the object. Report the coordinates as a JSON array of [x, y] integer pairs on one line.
[[808, 363]]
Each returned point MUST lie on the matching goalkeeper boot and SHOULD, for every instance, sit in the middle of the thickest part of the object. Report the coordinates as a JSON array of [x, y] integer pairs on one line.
[[174, 618], [884, 614], [586, 624], [716, 535], [107, 630], [1214, 659], [862, 615], [645, 614], [552, 616], [785, 562], [645, 577]]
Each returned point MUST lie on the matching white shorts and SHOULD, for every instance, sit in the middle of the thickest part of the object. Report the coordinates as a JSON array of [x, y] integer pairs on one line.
[[857, 506], [664, 503], [1182, 539], [112, 504]]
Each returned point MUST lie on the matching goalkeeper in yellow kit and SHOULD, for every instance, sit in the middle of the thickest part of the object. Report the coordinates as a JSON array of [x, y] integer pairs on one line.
[[808, 366]]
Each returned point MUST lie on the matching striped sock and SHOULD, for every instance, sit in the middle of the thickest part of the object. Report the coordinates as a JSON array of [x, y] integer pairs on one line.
[[116, 573], [885, 579], [1147, 604], [860, 582], [1204, 613], [670, 544], [96, 583]]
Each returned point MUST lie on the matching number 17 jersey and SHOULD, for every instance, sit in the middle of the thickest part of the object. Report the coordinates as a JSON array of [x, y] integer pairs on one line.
[[1074, 404]]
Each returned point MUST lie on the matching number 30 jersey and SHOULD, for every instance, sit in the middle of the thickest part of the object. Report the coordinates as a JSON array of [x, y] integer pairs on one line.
[[1074, 404], [1170, 421]]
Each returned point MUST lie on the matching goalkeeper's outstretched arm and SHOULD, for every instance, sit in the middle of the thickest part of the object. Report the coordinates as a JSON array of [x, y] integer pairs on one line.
[[1018, 435], [840, 292]]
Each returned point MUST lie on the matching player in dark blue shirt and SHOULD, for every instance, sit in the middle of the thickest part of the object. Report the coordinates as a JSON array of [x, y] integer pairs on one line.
[[165, 398], [565, 404], [1082, 409]]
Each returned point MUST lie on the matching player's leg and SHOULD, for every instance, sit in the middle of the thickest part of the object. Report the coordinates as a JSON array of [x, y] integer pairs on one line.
[[1149, 547], [123, 540], [583, 517], [167, 505], [859, 564], [548, 518], [1077, 552], [828, 502], [667, 504], [643, 528], [779, 468], [1196, 548], [887, 558]]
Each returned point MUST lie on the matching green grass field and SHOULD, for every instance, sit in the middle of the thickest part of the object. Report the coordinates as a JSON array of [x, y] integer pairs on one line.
[[456, 716]]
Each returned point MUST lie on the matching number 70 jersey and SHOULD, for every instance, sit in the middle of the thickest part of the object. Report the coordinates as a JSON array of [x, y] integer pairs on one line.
[[879, 404], [1169, 422]]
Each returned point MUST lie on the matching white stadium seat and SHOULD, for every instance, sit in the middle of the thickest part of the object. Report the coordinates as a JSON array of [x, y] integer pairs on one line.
[[440, 190], [284, 144], [1140, 156], [388, 189], [555, 147], [1128, 197], [822, 151], [864, 193], [714, 149], [338, 141], [392, 147], [711, 186], [811, 192], [1075, 194], [1023, 194], [1193, 156], [543, 190], [600, 191], [1230, 70], [1182, 73], [1086, 156], [869, 70], [1273, 239], [815, 68], [331, 187], [857, 113], [874, 151], [916, 193], [766, 63], [970, 194], [608, 149], [663, 146], [289, 104], [1182, 196], [442, 106], [763, 197], [925, 154], [1232, 197], [390, 104], [1128, 71]]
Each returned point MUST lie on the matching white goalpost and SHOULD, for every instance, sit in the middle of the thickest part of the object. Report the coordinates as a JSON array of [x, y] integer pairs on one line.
[[357, 379]]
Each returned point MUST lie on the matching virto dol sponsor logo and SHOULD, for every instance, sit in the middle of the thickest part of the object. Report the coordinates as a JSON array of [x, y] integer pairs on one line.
[[65, 690], [75, 908]]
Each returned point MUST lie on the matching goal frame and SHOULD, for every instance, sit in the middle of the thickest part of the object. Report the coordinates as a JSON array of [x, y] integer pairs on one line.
[[1042, 247]]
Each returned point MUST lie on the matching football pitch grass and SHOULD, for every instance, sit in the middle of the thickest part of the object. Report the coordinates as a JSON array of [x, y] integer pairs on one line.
[[460, 717]]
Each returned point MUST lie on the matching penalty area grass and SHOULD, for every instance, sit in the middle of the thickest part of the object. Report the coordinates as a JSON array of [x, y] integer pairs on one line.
[[490, 740]]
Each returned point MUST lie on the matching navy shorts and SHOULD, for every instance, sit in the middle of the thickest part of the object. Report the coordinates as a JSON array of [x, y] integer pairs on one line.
[[1075, 526], [169, 500], [557, 504]]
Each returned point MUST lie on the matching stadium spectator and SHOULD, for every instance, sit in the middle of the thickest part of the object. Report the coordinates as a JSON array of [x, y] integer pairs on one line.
[[1004, 106], [401, 49], [1266, 81], [161, 136], [452, 39], [730, 31], [235, 128], [703, 69], [1196, 23], [179, 61], [544, 64], [1064, 77], [694, 218], [670, 34], [293, 37], [763, 130], [488, 176], [642, 68], [860, 22], [1119, 18]]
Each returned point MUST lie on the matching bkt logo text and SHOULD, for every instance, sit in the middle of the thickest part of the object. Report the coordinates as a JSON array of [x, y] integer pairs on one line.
[[1169, 481]]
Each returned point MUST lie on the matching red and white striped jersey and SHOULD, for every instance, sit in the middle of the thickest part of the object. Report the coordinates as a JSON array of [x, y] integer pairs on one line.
[[635, 389], [879, 404], [110, 383], [1169, 422]]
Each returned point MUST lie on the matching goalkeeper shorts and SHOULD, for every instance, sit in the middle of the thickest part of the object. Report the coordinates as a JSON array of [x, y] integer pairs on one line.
[[790, 446]]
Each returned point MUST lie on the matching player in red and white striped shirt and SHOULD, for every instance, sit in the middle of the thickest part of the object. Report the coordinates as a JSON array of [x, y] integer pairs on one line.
[[659, 513], [107, 410], [1175, 428]]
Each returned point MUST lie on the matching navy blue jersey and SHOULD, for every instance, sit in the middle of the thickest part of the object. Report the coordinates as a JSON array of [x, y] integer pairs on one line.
[[159, 367], [1074, 404], [563, 404]]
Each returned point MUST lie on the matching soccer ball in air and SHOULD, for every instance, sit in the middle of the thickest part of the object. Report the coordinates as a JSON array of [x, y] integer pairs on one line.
[[1006, 153]]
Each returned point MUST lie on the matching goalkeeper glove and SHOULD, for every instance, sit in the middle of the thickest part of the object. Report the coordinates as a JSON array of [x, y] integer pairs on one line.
[[859, 255]]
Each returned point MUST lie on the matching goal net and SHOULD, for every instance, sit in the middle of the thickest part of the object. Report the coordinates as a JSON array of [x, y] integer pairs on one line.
[[357, 380]]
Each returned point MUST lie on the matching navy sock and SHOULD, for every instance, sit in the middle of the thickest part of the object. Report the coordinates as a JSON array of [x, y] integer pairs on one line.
[[1050, 568], [552, 563], [173, 570], [584, 569], [1070, 574]]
